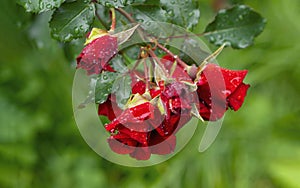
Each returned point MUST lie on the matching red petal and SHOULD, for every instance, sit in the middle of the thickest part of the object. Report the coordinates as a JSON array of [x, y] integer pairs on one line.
[[155, 92], [179, 73], [95, 56], [109, 108], [142, 111], [236, 99], [211, 114], [141, 153], [162, 145], [214, 88], [141, 137], [138, 87], [120, 147]]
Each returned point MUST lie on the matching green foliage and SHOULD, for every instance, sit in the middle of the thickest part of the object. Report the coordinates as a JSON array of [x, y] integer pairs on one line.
[[184, 13], [118, 3], [39, 6], [236, 26], [147, 14], [72, 20], [122, 89], [104, 85]]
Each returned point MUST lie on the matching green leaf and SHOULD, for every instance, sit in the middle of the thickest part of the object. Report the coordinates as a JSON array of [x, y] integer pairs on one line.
[[237, 26], [118, 3], [122, 90], [192, 51], [148, 15], [184, 13], [118, 64], [39, 6], [72, 20], [104, 86]]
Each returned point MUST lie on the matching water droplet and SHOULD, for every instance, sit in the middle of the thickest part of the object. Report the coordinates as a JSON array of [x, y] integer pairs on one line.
[[140, 20], [241, 17], [29, 2], [243, 43], [170, 13], [235, 81], [77, 30], [105, 77], [226, 92], [48, 6], [191, 14]]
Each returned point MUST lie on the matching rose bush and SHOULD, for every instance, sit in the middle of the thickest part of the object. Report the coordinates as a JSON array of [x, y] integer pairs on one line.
[[153, 116]]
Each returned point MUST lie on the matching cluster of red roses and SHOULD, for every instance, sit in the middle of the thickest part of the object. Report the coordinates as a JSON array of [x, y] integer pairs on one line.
[[158, 109]]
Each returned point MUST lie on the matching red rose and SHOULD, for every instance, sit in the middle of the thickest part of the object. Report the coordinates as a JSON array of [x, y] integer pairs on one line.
[[218, 89], [95, 56]]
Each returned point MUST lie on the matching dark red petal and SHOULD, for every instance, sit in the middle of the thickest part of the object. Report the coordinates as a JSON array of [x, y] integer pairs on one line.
[[142, 111], [162, 145], [141, 153], [155, 92], [215, 86], [124, 146], [139, 87], [168, 126], [113, 125], [236, 99], [212, 114], [95, 56], [179, 73], [233, 78], [167, 58], [109, 108], [141, 137]]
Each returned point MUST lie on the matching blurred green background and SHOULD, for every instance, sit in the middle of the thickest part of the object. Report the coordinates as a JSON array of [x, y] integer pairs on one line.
[[40, 145]]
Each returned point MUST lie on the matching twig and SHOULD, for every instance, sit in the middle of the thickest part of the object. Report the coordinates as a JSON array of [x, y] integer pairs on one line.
[[113, 19], [185, 66]]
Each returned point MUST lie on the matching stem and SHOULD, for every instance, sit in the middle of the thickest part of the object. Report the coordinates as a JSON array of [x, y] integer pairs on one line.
[[113, 19], [185, 66], [136, 64], [126, 15], [132, 20], [153, 55], [183, 36], [146, 75]]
